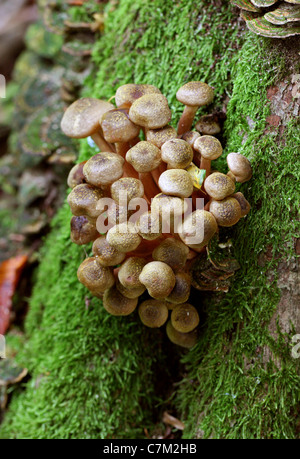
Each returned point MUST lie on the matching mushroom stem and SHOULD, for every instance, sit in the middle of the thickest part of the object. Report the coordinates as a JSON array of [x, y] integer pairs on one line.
[[230, 174], [205, 164], [186, 121], [122, 148], [101, 143], [151, 189]]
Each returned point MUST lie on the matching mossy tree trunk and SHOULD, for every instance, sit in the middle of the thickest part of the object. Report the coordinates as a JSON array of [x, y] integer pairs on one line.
[[100, 376]]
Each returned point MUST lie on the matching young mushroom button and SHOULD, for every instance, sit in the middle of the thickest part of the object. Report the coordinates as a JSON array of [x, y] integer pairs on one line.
[[117, 128], [117, 304], [129, 93], [226, 212], [103, 169], [159, 136], [219, 186], [150, 111], [176, 182], [158, 278], [239, 167], [197, 229], [210, 148], [153, 313], [193, 95], [83, 200], [125, 189], [177, 153]]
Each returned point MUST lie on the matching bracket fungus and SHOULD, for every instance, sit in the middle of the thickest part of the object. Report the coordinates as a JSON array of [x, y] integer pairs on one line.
[[151, 259]]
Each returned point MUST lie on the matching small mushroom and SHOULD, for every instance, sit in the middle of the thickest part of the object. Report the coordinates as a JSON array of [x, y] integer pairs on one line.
[[239, 167], [226, 212], [185, 318], [130, 292], [153, 313], [159, 136], [197, 229], [181, 291], [186, 340], [83, 200], [158, 278], [208, 125], [170, 209], [193, 95], [81, 119], [210, 149], [177, 153], [219, 186], [129, 93], [105, 253], [125, 189], [103, 169], [82, 231], [149, 226], [129, 272], [117, 304], [95, 277], [172, 252], [150, 111], [245, 206], [124, 237], [144, 156], [76, 176], [176, 182]]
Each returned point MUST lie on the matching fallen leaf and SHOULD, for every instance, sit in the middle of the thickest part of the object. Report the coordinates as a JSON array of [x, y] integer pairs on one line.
[[10, 271]]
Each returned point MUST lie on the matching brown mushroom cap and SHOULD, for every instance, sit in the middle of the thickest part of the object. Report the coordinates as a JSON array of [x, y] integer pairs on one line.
[[176, 182], [95, 277], [130, 271], [208, 146], [158, 278], [197, 229], [208, 125], [117, 304], [226, 212], [163, 204], [245, 206], [190, 137], [76, 176], [130, 292], [159, 136], [103, 169], [150, 111], [195, 93], [181, 291], [144, 156], [124, 237], [83, 200], [117, 214], [105, 253], [219, 186], [177, 153], [126, 188], [81, 119], [129, 93], [172, 252], [240, 167], [186, 340], [153, 313], [184, 318], [149, 226], [82, 231], [117, 126]]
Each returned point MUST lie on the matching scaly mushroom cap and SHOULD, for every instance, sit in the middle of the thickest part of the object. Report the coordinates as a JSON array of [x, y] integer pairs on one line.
[[163, 205], [226, 212], [153, 313], [124, 237], [150, 111], [81, 119], [130, 271], [245, 206], [219, 186], [117, 127], [240, 167], [209, 147], [197, 229], [130, 292], [83, 200], [144, 157], [158, 278], [172, 252], [184, 318], [159, 136], [176, 182], [76, 176], [126, 188], [105, 253], [177, 153], [117, 304], [195, 93], [181, 291], [190, 137], [129, 93], [82, 231], [95, 277], [208, 125], [149, 226], [186, 340], [103, 169], [117, 214]]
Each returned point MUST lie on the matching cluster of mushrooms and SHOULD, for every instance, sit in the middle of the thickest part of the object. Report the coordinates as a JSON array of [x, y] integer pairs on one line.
[[143, 257]]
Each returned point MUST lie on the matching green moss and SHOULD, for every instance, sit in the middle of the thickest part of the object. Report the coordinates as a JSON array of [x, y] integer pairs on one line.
[[94, 375]]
